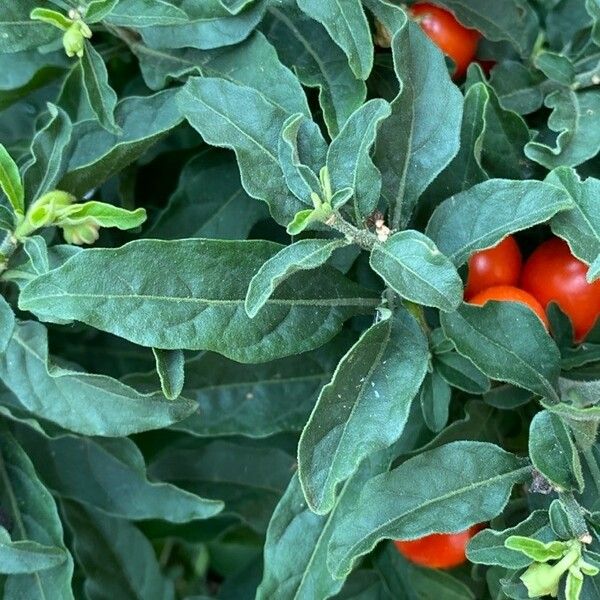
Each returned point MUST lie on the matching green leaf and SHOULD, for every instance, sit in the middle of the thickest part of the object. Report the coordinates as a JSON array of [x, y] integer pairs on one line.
[[448, 489], [347, 25], [18, 32], [518, 87], [52, 17], [553, 452], [349, 157], [556, 67], [484, 215], [48, 149], [95, 154], [170, 366], [18, 558], [412, 266], [488, 547], [422, 135], [118, 561], [574, 119], [302, 219], [197, 307], [209, 202], [101, 96], [7, 324], [252, 400], [514, 21], [435, 397], [461, 373], [79, 401], [297, 539], [236, 117], [109, 474], [301, 152], [303, 255], [10, 181], [502, 141], [249, 476], [580, 226], [305, 46], [465, 170], [146, 13], [98, 10], [486, 336], [103, 215], [534, 549], [364, 408], [33, 511], [208, 25]]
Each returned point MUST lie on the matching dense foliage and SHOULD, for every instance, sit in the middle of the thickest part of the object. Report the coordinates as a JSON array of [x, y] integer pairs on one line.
[[235, 358]]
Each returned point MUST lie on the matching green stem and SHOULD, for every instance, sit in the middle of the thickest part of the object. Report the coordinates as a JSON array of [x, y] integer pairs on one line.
[[361, 237]]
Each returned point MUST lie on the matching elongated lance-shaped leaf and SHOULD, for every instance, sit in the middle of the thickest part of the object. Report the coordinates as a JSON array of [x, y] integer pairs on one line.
[[18, 558], [348, 27], [300, 256], [304, 45], [508, 342], [297, 539], [79, 401], [364, 408], [101, 96], [85, 468], [349, 157], [236, 117], [10, 181], [200, 304], [48, 151], [574, 118], [208, 25], [447, 489], [301, 153], [553, 452], [118, 561], [422, 135], [482, 216], [465, 170], [32, 511], [580, 226], [412, 266]]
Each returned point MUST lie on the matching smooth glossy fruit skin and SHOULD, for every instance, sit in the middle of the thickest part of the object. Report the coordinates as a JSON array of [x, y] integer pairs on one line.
[[553, 274], [500, 265], [454, 40], [510, 293], [439, 550]]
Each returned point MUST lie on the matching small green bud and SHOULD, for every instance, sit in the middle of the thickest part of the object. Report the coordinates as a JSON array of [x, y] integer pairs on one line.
[[86, 232], [74, 38]]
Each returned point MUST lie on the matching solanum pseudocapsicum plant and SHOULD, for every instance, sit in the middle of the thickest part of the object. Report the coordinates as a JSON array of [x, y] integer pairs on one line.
[[237, 355]]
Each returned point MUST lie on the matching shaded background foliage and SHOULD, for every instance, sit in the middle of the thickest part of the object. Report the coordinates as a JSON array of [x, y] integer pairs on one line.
[[208, 405]]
